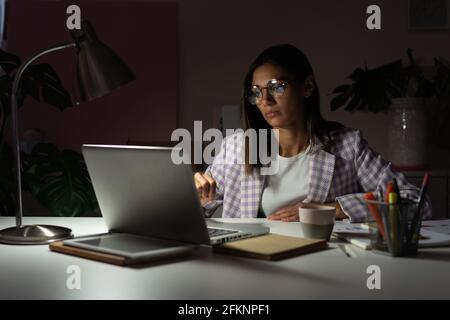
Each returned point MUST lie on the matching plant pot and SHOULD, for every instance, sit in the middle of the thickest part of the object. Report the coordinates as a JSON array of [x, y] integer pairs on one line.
[[407, 133]]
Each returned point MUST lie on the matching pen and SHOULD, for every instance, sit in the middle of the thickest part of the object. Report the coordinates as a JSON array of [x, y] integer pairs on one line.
[[389, 189], [393, 217], [400, 219]]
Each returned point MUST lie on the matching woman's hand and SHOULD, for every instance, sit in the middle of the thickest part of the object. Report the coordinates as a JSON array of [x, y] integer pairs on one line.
[[290, 213], [206, 187]]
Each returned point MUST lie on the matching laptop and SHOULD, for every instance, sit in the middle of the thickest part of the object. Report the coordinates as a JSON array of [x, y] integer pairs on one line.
[[150, 205]]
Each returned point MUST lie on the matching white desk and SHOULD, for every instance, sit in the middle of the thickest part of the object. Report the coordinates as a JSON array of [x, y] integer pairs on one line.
[[34, 272]]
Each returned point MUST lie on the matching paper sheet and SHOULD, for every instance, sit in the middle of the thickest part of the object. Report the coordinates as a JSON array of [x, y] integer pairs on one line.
[[435, 233]]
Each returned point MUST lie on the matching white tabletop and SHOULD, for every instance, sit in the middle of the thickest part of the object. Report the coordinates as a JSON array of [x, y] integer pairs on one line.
[[34, 272]]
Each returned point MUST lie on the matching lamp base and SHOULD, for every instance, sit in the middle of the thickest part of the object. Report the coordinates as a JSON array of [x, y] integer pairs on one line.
[[34, 234]]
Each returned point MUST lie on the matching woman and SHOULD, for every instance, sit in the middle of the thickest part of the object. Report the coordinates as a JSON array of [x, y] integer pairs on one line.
[[319, 161]]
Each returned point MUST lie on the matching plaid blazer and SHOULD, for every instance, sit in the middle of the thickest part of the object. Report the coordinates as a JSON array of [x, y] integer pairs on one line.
[[342, 169]]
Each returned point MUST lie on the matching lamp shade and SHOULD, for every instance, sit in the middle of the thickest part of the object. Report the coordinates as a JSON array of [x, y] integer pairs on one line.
[[99, 69]]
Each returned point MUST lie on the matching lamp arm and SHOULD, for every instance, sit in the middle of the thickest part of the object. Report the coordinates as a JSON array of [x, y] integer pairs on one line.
[[15, 122]]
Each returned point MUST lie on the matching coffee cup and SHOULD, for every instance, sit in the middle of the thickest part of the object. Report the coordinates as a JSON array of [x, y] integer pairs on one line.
[[317, 221]]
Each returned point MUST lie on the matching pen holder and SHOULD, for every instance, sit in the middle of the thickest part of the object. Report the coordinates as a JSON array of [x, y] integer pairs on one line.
[[395, 228]]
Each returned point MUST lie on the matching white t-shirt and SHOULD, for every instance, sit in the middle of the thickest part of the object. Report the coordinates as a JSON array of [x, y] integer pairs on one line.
[[288, 185]]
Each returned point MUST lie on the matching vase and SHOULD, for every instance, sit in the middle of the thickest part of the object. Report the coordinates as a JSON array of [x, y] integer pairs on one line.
[[407, 133]]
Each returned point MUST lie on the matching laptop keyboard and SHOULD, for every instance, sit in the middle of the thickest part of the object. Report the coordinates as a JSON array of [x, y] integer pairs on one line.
[[213, 232]]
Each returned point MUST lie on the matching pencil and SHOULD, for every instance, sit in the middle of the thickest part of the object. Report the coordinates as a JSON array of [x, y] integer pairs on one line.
[[417, 214]]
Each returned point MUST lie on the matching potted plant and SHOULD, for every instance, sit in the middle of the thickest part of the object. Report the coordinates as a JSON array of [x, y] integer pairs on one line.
[[409, 98], [58, 179]]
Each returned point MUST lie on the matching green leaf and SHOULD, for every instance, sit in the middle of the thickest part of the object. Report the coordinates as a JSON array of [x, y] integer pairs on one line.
[[342, 88], [8, 61], [8, 198], [5, 100], [379, 105], [370, 88], [357, 74], [43, 84], [442, 79], [60, 181], [338, 101], [354, 102], [425, 87]]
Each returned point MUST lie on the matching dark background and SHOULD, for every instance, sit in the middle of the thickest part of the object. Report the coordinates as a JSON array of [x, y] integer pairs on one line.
[[190, 57]]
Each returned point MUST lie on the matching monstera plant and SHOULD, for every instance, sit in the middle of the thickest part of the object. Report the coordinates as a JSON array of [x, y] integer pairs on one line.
[[58, 179]]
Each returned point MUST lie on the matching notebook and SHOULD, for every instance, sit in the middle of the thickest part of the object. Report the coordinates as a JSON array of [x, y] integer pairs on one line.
[[271, 247]]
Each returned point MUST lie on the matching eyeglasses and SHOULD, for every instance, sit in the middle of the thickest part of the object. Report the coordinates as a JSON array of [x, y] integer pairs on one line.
[[275, 88]]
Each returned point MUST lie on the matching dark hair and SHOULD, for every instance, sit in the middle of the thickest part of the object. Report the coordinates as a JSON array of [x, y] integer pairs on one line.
[[296, 64]]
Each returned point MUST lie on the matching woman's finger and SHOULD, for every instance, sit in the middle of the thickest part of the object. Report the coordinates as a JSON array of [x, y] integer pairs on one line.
[[281, 211], [289, 214], [198, 178], [291, 218], [198, 186], [285, 214], [212, 186], [206, 186], [197, 183], [202, 185], [285, 210]]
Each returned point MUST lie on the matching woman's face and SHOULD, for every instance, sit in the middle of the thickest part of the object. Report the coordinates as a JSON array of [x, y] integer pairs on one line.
[[280, 111]]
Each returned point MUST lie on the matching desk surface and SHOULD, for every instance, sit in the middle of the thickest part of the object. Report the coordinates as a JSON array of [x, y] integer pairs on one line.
[[34, 272]]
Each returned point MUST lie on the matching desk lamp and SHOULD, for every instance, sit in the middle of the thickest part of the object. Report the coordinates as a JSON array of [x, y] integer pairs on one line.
[[99, 71]]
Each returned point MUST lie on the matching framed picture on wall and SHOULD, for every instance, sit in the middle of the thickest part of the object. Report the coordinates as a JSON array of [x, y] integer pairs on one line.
[[429, 14]]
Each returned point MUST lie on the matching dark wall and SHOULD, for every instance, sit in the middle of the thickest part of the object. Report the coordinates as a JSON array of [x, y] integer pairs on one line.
[[219, 39], [143, 33], [216, 42]]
